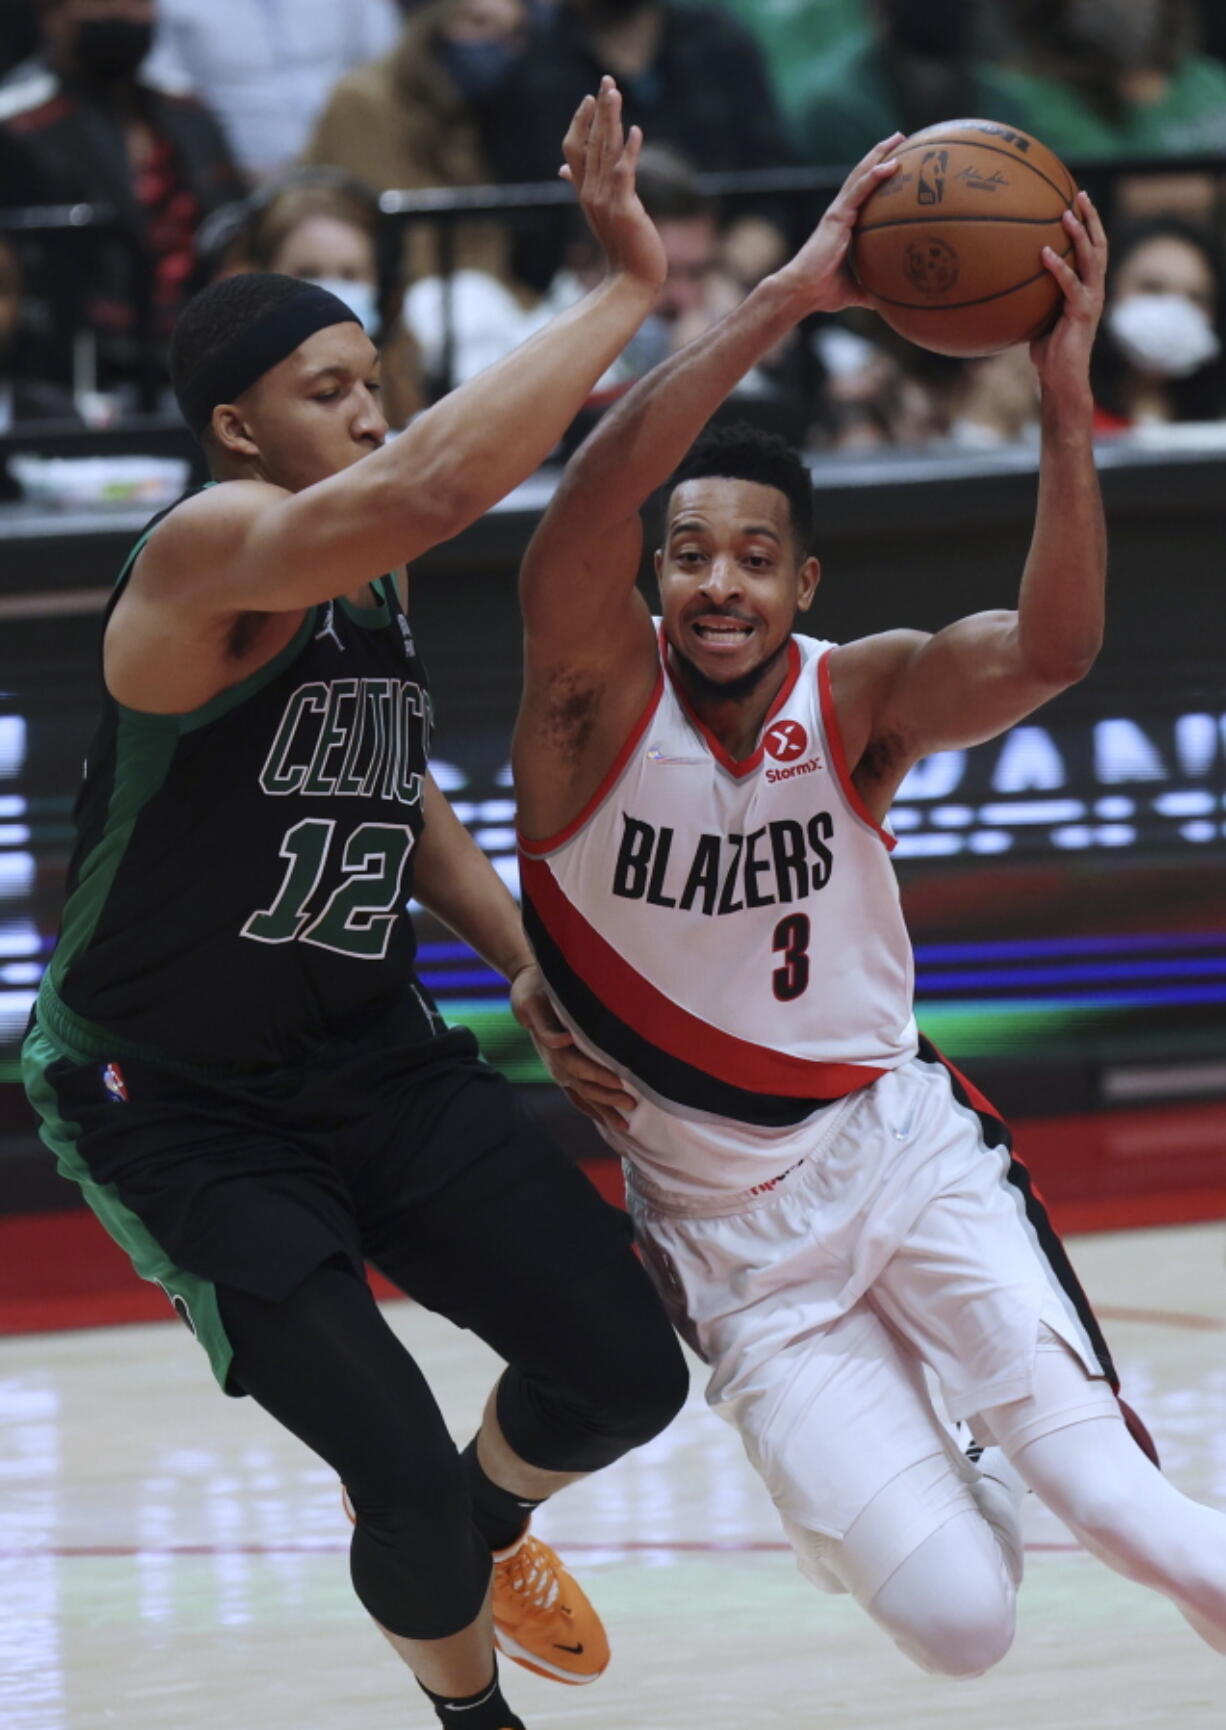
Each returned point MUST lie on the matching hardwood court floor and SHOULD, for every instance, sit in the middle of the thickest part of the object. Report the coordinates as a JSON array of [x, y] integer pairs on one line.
[[169, 1560]]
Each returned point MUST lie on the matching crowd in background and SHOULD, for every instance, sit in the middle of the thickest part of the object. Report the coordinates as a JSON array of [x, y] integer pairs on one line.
[[209, 138]]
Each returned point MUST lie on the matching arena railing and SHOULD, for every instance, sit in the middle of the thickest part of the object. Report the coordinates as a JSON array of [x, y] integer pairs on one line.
[[794, 196], [79, 235]]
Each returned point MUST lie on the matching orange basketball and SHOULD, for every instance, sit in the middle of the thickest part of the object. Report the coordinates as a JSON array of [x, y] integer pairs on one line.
[[949, 247]]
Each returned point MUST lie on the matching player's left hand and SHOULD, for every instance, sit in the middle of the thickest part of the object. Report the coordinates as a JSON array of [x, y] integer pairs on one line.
[[601, 160], [596, 1091], [1062, 357]]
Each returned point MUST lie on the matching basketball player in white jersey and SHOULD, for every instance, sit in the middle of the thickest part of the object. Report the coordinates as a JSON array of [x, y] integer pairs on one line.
[[832, 1213]]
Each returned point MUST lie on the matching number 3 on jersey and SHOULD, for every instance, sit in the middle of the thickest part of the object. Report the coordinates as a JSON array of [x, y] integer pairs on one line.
[[792, 942], [358, 916]]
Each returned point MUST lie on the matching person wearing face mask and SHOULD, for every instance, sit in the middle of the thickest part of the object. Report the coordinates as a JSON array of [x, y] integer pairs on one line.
[[415, 119], [1113, 78], [1159, 354], [323, 226], [84, 127]]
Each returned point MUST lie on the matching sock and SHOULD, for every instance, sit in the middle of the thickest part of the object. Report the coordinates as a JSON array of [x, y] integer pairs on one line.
[[484, 1711], [499, 1515]]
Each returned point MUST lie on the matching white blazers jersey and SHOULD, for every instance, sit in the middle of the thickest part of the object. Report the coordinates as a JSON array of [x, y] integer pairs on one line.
[[727, 935]]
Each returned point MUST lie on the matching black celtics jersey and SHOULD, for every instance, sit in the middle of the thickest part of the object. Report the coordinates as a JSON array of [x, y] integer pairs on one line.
[[239, 886]]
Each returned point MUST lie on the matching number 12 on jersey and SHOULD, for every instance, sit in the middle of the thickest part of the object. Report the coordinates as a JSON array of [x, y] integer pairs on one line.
[[358, 917]]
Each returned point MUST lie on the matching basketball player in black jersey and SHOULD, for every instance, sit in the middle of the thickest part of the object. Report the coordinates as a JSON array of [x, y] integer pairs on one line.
[[231, 1053], [822, 1293]]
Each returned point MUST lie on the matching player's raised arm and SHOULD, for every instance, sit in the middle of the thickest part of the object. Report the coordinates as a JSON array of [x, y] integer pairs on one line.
[[980, 675], [578, 576], [291, 417]]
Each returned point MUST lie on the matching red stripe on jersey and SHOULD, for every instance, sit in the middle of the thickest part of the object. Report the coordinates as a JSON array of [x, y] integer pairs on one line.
[[747, 764], [655, 1017], [838, 757], [537, 849], [981, 1103]]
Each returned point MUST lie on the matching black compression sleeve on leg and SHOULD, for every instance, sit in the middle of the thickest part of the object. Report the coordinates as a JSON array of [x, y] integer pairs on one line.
[[325, 1363]]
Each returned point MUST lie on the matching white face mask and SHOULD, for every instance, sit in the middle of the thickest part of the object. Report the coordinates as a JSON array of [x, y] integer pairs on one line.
[[1166, 334], [359, 297]]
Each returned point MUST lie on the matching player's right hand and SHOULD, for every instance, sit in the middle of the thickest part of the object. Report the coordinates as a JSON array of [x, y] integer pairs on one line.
[[600, 165], [595, 1090], [822, 267]]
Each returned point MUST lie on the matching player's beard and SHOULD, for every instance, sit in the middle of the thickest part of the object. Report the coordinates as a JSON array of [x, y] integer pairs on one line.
[[730, 690]]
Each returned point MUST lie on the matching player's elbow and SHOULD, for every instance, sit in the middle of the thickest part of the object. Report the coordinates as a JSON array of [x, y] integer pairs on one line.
[[1059, 664]]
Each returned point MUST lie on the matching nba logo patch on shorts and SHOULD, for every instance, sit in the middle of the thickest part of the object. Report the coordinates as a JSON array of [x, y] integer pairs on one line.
[[113, 1081]]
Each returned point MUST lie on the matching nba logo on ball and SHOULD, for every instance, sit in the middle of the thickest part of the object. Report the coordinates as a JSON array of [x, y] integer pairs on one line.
[[786, 741], [113, 1081]]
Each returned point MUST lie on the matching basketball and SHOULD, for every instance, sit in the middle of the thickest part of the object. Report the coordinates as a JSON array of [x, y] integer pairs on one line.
[[949, 247]]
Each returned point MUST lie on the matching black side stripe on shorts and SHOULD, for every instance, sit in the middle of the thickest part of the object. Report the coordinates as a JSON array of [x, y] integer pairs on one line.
[[670, 1077], [996, 1133]]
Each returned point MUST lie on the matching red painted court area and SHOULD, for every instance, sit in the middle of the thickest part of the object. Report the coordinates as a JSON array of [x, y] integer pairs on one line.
[[1105, 1172]]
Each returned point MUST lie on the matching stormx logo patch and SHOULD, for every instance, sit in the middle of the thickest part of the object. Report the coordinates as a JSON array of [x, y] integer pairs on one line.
[[787, 742]]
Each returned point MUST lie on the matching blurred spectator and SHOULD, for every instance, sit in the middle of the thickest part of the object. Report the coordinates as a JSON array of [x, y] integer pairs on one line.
[[22, 398], [87, 128], [412, 119], [324, 226], [795, 35], [995, 401], [1213, 28], [878, 393], [691, 76], [920, 65], [265, 67], [1113, 78], [18, 32], [697, 291], [1159, 353]]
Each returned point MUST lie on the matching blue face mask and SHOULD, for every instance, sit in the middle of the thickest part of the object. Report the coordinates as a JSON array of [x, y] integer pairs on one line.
[[477, 68]]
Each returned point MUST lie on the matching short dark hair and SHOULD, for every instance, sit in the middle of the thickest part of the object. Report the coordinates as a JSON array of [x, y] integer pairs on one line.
[[210, 322], [741, 452]]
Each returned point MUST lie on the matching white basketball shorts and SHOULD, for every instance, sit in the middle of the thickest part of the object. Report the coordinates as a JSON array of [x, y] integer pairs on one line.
[[901, 1245]]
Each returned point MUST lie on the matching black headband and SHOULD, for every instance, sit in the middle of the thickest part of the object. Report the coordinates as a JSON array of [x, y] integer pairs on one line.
[[275, 334]]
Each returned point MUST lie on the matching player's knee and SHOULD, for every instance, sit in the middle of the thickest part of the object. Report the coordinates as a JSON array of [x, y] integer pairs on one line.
[[410, 1497], [962, 1638], [655, 1390], [959, 1624], [615, 1401], [417, 1563], [640, 1392]]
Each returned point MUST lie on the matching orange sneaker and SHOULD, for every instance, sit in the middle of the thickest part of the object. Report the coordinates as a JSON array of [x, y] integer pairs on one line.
[[542, 1618]]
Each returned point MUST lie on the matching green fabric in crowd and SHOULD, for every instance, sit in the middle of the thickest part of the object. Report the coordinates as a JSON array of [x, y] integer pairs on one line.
[[1188, 119], [847, 105], [797, 35]]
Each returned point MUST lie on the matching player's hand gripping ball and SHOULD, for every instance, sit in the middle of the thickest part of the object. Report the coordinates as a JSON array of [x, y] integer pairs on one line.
[[949, 248]]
